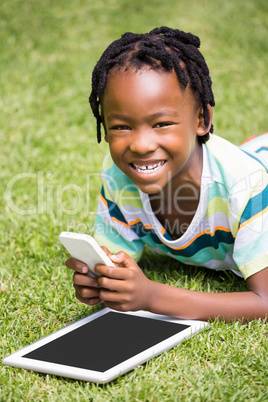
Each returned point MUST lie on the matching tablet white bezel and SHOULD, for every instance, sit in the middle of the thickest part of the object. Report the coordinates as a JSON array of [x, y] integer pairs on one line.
[[17, 360]]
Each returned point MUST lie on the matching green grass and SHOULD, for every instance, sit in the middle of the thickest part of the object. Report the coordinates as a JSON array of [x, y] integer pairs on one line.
[[49, 169]]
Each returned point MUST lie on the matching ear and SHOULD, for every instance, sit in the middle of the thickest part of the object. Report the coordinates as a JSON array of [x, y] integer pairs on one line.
[[202, 129]]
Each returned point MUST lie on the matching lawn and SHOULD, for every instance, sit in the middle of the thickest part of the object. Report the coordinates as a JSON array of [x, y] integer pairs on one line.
[[50, 164]]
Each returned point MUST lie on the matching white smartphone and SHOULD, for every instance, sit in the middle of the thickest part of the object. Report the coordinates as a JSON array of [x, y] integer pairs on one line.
[[84, 248]]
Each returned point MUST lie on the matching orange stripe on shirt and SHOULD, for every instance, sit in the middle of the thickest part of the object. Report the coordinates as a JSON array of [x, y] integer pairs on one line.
[[200, 234], [137, 221], [122, 223], [148, 226], [104, 201], [134, 222]]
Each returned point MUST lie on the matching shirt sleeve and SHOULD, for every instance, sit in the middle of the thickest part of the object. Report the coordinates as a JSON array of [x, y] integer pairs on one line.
[[251, 243]]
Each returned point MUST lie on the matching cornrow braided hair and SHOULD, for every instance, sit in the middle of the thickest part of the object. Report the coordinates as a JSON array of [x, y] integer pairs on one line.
[[162, 48]]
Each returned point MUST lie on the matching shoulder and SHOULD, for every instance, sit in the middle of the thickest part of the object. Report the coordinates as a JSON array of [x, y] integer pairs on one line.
[[231, 165], [257, 145], [240, 178]]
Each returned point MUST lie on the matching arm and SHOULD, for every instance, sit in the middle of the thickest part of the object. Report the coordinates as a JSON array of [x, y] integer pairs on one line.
[[126, 288], [199, 305]]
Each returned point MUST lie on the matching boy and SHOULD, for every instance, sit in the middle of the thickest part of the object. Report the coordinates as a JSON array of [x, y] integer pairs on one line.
[[170, 184]]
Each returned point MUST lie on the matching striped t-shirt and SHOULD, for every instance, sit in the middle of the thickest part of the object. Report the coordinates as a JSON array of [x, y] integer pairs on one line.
[[229, 229]]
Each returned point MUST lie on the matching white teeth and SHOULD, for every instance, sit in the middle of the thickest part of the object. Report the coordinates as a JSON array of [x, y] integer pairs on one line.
[[148, 168]]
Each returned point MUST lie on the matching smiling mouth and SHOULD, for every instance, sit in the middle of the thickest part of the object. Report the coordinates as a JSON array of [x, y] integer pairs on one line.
[[148, 168]]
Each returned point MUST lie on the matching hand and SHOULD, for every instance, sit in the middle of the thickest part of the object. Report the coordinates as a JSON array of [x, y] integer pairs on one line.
[[124, 287], [86, 287]]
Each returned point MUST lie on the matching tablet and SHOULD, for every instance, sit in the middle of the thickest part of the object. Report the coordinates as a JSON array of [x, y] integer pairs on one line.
[[104, 345]]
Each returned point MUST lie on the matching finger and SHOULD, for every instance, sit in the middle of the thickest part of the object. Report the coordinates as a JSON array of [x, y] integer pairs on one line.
[[110, 296], [116, 285], [107, 252], [123, 259], [117, 306], [111, 272], [90, 302], [87, 293], [76, 265], [114, 300], [85, 280]]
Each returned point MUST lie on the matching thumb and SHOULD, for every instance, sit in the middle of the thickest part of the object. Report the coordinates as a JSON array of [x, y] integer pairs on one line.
[[107, 252], [123, 259]]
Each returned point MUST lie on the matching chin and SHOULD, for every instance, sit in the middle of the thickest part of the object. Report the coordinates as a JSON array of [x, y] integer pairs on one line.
[[150, 190]]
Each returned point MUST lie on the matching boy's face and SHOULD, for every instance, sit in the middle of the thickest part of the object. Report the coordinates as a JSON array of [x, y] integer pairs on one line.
[[151, 126]]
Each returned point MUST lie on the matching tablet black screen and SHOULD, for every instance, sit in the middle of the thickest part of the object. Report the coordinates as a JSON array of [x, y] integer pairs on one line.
[[106, 341]]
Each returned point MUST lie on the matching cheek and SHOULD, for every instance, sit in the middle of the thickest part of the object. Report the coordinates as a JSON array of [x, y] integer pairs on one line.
[[118, 143], [179, 145], [117, 149], [173, 143]]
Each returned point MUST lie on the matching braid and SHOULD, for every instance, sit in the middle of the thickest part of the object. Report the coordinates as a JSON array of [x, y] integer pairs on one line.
[[161, 48]]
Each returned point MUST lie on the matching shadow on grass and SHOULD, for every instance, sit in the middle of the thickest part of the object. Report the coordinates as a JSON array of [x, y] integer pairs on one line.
[[165, 269]]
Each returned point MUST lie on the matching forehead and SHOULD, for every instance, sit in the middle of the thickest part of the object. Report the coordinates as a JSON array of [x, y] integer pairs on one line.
[[127, 75], [145, 86]]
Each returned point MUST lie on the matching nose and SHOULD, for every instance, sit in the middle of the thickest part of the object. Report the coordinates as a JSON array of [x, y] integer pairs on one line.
[[142, 142]]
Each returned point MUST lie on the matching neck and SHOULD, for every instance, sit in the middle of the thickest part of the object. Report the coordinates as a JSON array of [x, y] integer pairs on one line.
[[187, 183]]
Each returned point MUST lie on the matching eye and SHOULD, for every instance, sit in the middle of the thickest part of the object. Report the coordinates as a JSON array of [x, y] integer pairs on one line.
[[163, 124], [121, 127]]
